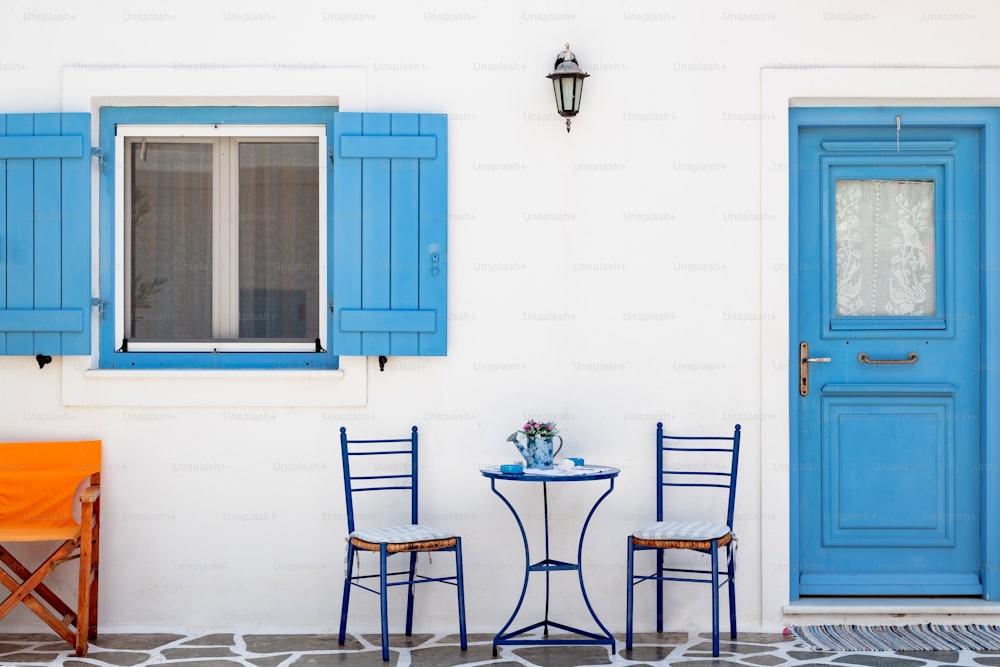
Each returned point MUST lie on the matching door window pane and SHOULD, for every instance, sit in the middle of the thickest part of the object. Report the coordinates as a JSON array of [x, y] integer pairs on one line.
[[885, 247], [170, 234]]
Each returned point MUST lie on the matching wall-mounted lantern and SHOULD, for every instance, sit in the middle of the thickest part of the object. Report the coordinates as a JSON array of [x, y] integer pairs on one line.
[[567, 82]]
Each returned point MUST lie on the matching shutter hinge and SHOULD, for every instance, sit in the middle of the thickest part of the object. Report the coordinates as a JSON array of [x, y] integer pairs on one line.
[[330, 152], [101, 305], [329, 304], [102, 157]]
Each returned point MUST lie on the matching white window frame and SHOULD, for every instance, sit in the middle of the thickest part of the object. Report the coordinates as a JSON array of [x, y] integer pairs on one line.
[[224, 250]]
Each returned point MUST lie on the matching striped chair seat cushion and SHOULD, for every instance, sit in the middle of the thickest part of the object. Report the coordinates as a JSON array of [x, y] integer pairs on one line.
[[401, 534], [691, 531]]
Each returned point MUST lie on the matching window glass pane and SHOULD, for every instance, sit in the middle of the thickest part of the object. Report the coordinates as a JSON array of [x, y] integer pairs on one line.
[[885, 247], [170, 230], [279, 240]]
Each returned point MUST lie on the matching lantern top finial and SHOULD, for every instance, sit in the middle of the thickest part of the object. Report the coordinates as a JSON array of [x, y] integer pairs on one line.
[[567, 65]]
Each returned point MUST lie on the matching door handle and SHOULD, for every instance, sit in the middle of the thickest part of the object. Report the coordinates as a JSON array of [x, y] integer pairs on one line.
[[804, 361], [911, 358]]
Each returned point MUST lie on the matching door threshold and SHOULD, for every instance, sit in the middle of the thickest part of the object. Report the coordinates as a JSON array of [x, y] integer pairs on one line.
[[834, 610]]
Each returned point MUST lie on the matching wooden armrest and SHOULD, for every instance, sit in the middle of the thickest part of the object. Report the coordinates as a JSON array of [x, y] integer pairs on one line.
[[90, 494]]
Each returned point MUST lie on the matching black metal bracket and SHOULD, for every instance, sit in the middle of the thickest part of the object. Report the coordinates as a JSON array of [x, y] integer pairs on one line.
[[381, 362], [43, 359]]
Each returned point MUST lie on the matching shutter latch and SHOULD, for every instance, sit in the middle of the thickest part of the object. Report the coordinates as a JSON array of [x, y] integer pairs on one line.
[[101, 305], [102, 157]]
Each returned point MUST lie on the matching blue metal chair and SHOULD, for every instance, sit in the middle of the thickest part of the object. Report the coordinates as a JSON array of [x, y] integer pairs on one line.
[[707, 462], [390, 465]]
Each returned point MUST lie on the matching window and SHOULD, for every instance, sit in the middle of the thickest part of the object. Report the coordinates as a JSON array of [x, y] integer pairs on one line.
[[228, 237], [214, 243]]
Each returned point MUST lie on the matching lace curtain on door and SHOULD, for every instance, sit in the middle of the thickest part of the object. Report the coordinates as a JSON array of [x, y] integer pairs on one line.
[[885, 247]]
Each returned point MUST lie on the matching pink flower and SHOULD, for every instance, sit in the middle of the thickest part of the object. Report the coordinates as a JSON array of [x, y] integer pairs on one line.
[[536, 428]]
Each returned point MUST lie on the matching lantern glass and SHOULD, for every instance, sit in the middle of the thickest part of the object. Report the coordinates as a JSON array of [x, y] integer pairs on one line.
[[569, 103], [558, 88], [577, 94], [568, 91]]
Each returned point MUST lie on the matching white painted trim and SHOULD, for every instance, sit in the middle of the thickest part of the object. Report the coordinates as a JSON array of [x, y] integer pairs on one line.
[[346, 387], [901, 611], [87, 88], [225, 246], [913, 606], [205, 131], [815, 86]]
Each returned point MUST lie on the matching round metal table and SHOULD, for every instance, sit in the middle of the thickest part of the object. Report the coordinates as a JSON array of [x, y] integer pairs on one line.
[[547, 565]]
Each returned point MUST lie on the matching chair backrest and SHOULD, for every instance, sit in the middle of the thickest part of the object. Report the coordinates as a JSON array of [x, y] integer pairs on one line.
[[379, 465], [697, 461], [38, 485]]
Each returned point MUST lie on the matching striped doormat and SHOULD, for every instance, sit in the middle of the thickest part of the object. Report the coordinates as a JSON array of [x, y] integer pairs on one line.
[[928, 637]]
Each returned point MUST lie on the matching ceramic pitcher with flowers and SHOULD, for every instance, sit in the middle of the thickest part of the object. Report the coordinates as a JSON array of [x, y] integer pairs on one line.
[[538, 449]]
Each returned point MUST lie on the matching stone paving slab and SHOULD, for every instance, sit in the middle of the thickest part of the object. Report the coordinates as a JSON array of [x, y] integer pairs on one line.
[[229, 649]]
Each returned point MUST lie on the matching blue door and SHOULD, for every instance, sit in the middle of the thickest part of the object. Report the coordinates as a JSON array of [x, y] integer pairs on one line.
[[885, 286]]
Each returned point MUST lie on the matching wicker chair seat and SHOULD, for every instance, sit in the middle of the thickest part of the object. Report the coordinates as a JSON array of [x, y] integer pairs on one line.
[[402, 539], [696, 535]]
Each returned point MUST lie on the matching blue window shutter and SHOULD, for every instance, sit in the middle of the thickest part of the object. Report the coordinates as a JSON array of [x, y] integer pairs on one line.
[[45, 234], [389, 211]]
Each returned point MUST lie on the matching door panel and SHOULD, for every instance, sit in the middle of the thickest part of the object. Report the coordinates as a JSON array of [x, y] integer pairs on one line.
[[896, 494], [887, 289]]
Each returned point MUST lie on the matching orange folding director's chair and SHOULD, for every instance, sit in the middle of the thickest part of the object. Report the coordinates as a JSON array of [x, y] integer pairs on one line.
[[40, 489]]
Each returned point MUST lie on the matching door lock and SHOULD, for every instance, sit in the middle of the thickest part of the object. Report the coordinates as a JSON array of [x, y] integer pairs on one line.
[[804, 361]]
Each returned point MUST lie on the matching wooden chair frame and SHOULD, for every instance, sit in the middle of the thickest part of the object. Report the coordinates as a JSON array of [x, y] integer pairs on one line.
[[26, 586]]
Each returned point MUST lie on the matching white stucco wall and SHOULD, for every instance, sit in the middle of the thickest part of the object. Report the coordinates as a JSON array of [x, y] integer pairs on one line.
[[629, 272]]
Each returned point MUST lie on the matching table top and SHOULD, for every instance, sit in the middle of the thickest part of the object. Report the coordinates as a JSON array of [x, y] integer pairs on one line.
[[578, 474]]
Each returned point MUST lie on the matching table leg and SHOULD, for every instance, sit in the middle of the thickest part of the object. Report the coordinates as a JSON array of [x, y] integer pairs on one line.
[[579, 562], [547, 566], [527, 565], [545, 509]]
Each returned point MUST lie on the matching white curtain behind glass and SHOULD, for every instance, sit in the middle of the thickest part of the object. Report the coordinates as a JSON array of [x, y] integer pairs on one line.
[[885, 247], [171, 241], [279, 240]]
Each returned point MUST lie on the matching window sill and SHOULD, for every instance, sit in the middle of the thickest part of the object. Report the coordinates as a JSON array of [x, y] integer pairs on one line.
[[86, 386]]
